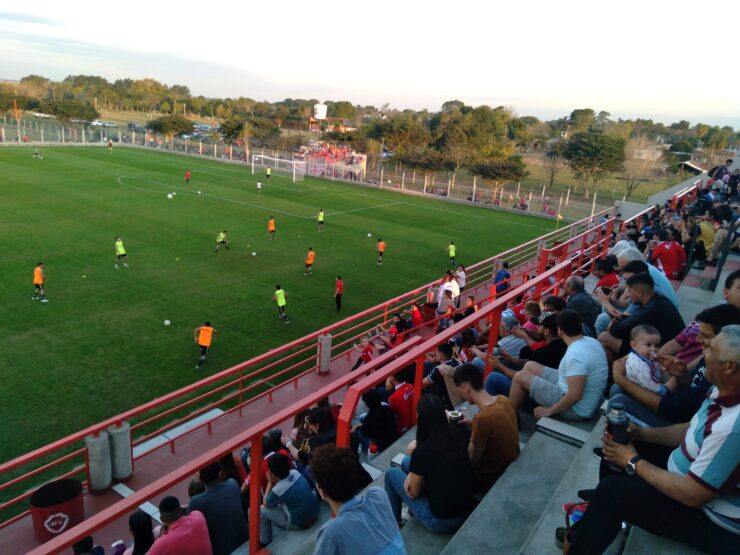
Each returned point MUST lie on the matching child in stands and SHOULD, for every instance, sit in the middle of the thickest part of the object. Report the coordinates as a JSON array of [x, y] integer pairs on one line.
[[642, 363]]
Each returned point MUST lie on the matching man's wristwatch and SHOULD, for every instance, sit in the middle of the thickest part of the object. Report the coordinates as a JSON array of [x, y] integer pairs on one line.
[[631, 468]]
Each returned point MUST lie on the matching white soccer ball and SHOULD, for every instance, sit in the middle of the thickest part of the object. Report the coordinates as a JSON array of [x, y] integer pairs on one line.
[[169, 195], [254, 253], [198, 192], [173, 194], [41, 157], [369, 234], [167, 322]]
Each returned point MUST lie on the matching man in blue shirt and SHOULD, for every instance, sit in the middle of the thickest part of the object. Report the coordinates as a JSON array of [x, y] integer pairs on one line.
[[502, 278], [289, 501], [364, 524]]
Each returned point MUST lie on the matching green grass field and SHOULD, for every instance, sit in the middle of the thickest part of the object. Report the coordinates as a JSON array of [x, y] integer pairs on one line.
[[100, 347]]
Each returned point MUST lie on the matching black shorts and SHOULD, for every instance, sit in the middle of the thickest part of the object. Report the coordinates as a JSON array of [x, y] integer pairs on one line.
[[203, 350], [309, 266], [380, 254], [119, 256], [221, 242], [38, 286], [321, 222]]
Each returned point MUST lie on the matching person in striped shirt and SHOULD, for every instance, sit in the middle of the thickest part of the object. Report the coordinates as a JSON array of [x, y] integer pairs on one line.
[[694, 496]]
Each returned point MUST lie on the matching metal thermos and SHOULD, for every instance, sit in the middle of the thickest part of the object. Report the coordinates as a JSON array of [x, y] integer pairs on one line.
[[616, 427]]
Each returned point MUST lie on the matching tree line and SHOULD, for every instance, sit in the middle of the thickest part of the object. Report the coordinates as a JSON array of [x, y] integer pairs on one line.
[[484, 141]]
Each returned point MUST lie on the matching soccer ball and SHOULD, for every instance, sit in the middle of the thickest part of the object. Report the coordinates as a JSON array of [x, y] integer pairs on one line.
[[254, 253], [369, 234], [173, 194], [167, 322], [41, 157], [198, 192], [169, 195]]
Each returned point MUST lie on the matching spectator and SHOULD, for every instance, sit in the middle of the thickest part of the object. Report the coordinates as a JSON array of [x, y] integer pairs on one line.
[[717, 173], [461, 279], [576, 388], [731, 292], [379, 424], [642, 367], [583, 303], [435, 481], [502, 278], [363, 524], [442, 363], [140, 525], [508, 342], [289, 502], [669, 255], [401, 401], [550, 355], [271, 444], [645, 408], [85, 547], [622, 242], [604, 270], [652, 308], [662, 285], [181, 534], [221, 506], [494, 441], [322, 430], [692, 496], [553, 303]]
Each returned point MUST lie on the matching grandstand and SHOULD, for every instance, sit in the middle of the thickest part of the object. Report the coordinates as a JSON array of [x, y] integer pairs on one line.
[[174, 436]]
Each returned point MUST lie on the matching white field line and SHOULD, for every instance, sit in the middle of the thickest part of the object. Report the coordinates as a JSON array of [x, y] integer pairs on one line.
[[266, 185], [365, 208], [266, 209]]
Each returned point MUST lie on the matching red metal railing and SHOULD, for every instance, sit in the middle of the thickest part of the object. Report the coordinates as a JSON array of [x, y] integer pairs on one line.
[[290, 361], [413, 350]]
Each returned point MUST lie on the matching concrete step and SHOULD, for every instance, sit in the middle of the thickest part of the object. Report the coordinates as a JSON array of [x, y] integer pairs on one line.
[[504, 518], [583, 473], [639, 541]]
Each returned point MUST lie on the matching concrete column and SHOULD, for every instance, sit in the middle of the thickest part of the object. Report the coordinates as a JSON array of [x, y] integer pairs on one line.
[[121, 456], [99, 472], [324, 352]]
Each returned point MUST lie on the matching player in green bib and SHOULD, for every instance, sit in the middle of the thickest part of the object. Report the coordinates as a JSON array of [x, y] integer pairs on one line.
[[268, 172], [121, 255], [452, 251], [279, 298], [320, 220], [221, 239]]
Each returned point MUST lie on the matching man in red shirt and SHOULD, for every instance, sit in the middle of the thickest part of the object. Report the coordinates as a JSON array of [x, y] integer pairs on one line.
[[400, 401], [669, 255], [604, 270], [187, 177], [181, 534], [338, 292]]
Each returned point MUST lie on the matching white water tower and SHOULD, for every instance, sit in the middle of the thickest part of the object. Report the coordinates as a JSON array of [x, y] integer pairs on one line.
[[319, 111]]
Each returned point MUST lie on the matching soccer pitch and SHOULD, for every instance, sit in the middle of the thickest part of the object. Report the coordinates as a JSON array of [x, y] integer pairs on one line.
[[100, 347]]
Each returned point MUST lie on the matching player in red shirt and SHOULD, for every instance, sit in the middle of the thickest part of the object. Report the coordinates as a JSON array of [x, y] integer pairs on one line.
[[401, 401], [669, 255], [338, 292], [187, 177]]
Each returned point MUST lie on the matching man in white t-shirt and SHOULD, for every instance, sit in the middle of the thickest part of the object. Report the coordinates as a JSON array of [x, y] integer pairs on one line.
[[576, 389]]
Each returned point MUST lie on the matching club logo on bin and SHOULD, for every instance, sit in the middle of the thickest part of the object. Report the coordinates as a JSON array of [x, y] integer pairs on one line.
[[56, 523]]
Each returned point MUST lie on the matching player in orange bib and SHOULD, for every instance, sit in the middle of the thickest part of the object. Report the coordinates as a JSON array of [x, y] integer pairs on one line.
[[381, 250], [309, 262], [38, 283], [203, 336], [271, 228]]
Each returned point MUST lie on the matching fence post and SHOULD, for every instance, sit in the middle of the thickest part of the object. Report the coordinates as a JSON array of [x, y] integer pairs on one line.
[[324, 353], [403, 179]]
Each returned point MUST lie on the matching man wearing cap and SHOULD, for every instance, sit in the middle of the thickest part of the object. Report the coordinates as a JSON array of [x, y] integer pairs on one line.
[[668, 255]]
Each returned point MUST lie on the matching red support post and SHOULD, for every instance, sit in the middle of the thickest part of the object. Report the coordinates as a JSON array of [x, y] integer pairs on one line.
[[418, 377], [492, 337], [255, 479]]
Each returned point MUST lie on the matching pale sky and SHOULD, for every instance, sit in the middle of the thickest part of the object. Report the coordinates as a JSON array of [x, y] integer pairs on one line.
[[648, 58]]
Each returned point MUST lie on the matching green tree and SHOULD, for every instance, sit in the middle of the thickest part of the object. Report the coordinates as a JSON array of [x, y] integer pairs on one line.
[[341, 109], [638, 163], [231, 129], [582, 119], [69, 109], [171, 125], [554, 162], [593, 156], [496, 171]]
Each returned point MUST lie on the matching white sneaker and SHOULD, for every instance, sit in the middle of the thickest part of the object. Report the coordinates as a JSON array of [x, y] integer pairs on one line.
[[115, 266], [125, 265], [44, 300]]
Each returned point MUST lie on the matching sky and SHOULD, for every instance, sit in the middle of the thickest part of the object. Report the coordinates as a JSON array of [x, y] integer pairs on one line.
[[650, 58]]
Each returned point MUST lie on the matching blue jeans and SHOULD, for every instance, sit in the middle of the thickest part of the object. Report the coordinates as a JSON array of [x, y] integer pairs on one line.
[[498, 384], [419, 507]]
